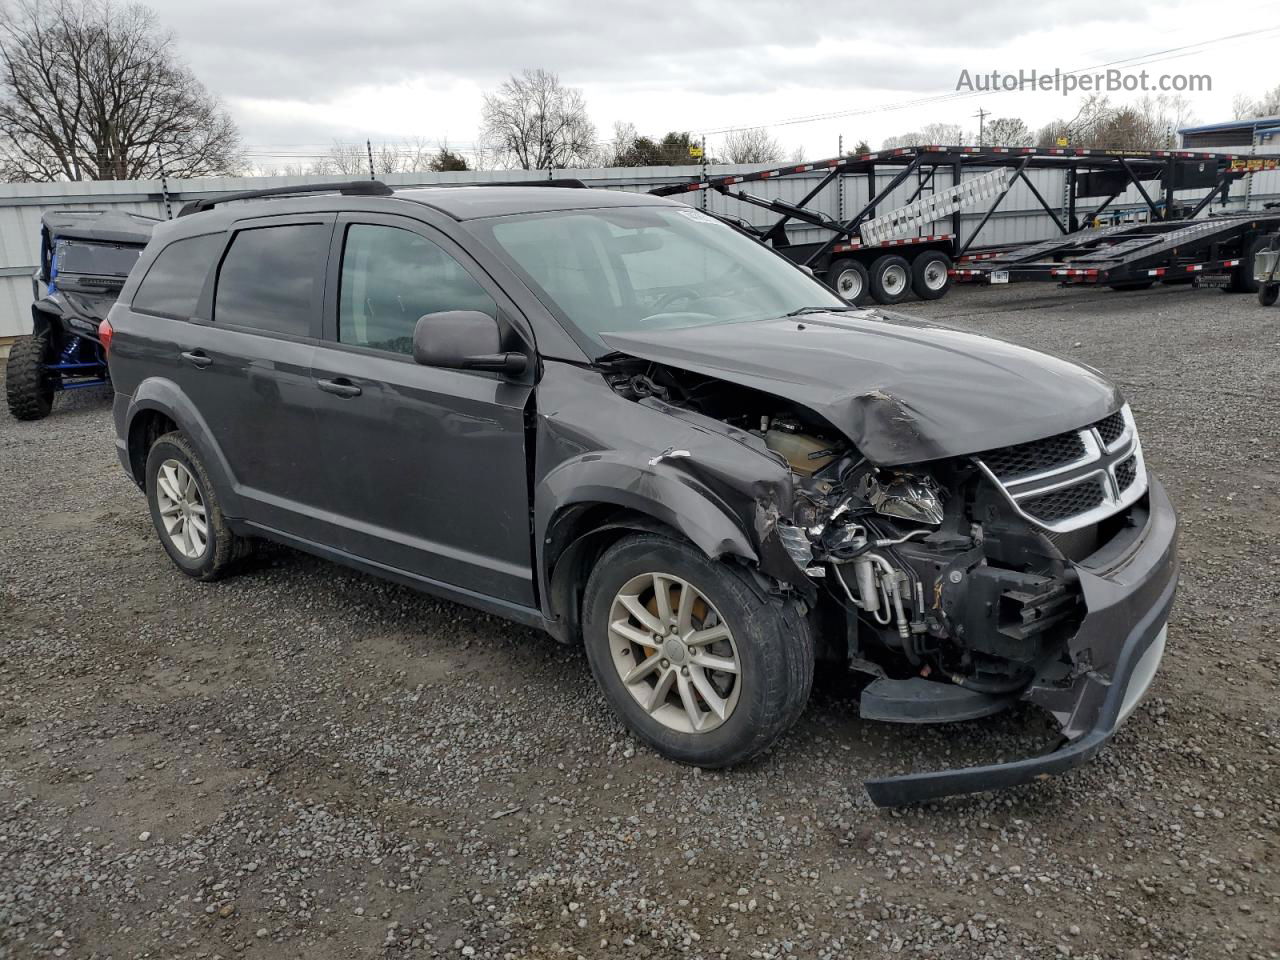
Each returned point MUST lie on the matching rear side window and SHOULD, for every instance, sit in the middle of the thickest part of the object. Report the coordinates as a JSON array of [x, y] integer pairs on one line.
[[172, 285], [271, 278]]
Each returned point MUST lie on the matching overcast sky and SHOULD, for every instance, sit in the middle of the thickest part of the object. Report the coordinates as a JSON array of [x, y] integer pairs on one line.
[[298, 75]]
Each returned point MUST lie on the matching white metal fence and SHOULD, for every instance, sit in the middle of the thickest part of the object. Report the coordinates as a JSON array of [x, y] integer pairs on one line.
[[1019, 219]]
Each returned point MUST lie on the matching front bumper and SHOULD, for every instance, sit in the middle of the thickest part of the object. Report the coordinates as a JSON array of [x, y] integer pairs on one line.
[[1128, 590]]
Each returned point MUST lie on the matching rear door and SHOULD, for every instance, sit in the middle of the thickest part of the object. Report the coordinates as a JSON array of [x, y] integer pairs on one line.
[[246, 366], [427, 466]]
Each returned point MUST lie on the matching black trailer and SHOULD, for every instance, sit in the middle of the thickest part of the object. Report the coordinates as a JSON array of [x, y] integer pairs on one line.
[[1215, 252], [887, 269]]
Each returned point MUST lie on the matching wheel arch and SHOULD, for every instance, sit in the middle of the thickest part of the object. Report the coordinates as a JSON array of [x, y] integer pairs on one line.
[[160, 405], [584, 506]]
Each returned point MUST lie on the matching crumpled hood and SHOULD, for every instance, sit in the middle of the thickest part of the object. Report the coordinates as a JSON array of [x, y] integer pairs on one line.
[[902, 390]]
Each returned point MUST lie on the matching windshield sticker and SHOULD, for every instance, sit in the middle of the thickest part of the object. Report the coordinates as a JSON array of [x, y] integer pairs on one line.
[[697, 216]]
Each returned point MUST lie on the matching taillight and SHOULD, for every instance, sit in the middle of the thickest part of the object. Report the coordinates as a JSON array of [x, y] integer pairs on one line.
[[105, 333]]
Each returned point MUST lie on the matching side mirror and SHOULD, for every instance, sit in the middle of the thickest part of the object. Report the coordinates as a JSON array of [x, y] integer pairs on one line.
[[463, 340]]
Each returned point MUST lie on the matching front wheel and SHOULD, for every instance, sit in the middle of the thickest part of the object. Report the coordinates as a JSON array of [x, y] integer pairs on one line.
[[27, 385], [690, 656], [848, 278]]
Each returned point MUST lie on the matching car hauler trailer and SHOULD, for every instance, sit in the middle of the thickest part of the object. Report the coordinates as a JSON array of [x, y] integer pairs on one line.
[[1215, 252], [865, 258]]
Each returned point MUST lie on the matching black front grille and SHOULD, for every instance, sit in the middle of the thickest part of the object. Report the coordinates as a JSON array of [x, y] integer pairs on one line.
[[1065, 501], [1024, 459], [1127, 472], [1111, 428]]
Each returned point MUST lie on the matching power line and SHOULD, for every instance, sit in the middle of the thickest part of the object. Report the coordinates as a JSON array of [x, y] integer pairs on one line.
[[1156, 56]]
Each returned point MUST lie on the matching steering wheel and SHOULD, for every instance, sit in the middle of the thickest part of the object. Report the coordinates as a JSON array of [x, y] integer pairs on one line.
[[674, 296]]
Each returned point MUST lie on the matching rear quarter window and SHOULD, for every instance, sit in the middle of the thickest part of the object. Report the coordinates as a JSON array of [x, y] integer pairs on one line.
[[172, 285]]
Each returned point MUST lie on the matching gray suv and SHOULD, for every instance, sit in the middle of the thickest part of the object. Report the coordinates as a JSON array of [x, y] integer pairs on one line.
[[617, 419]]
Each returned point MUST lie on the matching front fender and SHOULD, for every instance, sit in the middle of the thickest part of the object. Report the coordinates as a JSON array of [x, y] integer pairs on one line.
[[163, 396], [662, 491]]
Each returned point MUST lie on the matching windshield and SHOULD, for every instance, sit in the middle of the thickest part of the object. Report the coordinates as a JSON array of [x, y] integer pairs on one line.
[[656, 267], [96, 259]]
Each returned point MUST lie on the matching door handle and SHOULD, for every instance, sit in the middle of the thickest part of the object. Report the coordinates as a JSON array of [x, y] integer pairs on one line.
[[342, 387], [197, 358]]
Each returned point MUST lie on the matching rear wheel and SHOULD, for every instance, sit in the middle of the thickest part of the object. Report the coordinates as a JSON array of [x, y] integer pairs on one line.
[[1267, 293], [27, 384], [1242, 278], [890, 279], [690, 656], [931, 275], [848, 278], [186, 512]]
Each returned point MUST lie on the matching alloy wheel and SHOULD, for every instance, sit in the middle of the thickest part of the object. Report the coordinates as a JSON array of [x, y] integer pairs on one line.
[[674, 653], [182, 509]]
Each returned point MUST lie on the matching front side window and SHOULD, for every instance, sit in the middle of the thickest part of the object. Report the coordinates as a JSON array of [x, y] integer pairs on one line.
[[649, 267], [172, 286], [392, 277], [271, 277]]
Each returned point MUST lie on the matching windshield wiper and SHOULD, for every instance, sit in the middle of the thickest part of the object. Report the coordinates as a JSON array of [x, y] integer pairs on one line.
[[800, 311]]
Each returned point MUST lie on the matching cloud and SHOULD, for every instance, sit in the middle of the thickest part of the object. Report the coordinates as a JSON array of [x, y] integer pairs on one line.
[[310, 51]]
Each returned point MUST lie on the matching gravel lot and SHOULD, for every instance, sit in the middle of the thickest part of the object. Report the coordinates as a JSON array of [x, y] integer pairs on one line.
[[305, 762]]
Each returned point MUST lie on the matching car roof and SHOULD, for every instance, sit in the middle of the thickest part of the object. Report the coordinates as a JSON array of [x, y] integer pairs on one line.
[[458, 203], [106, 226], [472, 203]]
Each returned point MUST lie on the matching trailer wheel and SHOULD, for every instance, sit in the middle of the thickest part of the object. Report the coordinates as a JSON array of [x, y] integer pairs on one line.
[[890, 278], [1268, 293], [931, 275], [1242, 280], [848, 278]]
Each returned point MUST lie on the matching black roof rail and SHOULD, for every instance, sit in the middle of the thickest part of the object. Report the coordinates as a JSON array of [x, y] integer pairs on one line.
[[352, 188], [572, 182]]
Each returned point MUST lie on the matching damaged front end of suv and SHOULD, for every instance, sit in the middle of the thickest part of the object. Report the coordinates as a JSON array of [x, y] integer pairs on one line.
[[970, 523]]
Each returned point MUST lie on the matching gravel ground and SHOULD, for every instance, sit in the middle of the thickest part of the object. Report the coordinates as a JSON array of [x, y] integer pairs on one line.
[[306, 762]]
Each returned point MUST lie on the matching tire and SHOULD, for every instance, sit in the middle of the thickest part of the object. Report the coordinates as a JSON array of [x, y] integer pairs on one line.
[[1133, 285], [769, 640], [848, 278], [1267, 293], [1242, 279], [890, 279], [221, 549], [27, 385], [930, 275]]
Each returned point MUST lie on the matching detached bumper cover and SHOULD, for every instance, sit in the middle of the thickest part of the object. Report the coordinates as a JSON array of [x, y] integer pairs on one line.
[[1128, 589]]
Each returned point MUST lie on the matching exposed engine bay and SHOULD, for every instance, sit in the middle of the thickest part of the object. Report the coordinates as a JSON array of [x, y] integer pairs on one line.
[[926, 572]]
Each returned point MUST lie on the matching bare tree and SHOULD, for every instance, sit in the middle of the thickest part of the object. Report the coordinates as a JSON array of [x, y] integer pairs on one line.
[[755, 145], [349, 159], [1007, 132], [1147, 124], [1247, 108], [535, 122], [949, 134], [92, 91]]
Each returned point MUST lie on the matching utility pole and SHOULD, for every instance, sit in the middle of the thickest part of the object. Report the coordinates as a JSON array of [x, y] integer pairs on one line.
[[164, 186], [702, 174], [368, 146], [840, 181], [982, 118]]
